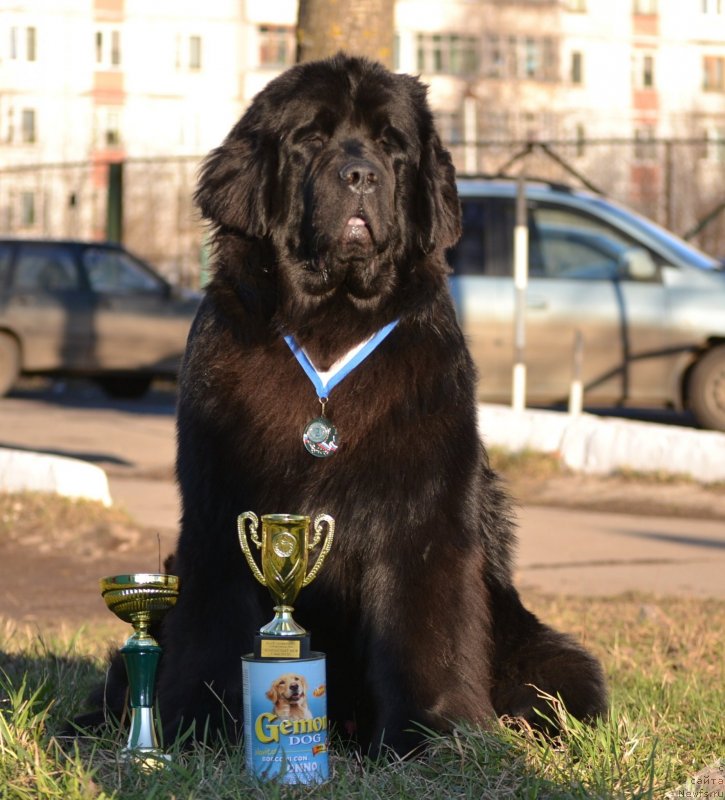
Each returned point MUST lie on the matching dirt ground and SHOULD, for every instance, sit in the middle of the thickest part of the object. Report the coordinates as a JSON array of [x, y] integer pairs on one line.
[[51, 558]]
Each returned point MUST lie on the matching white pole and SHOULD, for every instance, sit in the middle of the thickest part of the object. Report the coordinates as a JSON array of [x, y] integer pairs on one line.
[[576, 390], [470, 135], [521, 282]]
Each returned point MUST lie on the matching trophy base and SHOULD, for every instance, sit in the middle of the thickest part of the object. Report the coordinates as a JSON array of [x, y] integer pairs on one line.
[[285, 718], [282, 646]]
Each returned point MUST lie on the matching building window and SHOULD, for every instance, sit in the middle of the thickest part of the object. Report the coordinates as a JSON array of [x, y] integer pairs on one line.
[[532, 65], [112, 132], [448, 54], [27, 209], [23, 44], [195, 52], [450, 126], [645, 7], [576, 72], [714, 145], [648, 72], [494, 125], [188, 52], [27, 127], [108, 48], [643, 70], [492, 57], [277, 45], [527, 57], [645, 146], [713, 73], [107, 127], [532, 58]]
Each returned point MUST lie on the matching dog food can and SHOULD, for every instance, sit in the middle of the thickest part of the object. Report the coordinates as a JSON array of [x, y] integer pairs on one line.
[[285, 718]]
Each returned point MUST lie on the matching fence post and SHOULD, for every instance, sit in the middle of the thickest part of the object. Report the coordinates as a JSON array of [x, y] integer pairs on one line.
[[114, 207], [669, 185]]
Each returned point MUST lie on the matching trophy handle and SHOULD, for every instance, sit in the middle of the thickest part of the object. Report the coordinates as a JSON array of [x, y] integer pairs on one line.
[[254, 536], [319, 519]]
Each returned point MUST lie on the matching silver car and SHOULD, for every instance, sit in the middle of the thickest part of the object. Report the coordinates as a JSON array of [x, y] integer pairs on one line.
[[650, 308], [91, 309]]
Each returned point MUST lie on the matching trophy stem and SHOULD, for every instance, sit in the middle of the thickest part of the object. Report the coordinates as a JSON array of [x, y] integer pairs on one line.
[[283, 624], [141, 658]]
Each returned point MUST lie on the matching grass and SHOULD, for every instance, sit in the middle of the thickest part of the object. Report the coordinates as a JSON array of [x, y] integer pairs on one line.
[[665, 662], [48, 523]]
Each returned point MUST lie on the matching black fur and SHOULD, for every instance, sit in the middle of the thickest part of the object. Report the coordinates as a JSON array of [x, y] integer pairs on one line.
[[415, 605]]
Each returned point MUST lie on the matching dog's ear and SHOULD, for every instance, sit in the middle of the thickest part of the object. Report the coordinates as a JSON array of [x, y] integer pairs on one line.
[[272, 694], [236, 180], [439, 209]]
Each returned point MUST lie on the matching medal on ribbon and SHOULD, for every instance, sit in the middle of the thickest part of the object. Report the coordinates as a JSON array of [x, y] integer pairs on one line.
[[320, 436]]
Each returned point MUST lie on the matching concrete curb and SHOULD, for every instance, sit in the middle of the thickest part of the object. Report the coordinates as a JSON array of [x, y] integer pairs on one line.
[[600, 446], [22, 471], [585, 443]]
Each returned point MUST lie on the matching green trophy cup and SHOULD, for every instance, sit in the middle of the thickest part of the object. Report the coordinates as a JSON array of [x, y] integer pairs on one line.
[[141, 598], [285, 544]]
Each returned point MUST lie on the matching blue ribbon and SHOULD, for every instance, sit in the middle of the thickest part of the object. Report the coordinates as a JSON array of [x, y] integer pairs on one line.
[[323, 389]]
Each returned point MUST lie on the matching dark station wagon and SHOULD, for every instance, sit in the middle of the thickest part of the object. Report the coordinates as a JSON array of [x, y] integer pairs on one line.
[[88, 309]]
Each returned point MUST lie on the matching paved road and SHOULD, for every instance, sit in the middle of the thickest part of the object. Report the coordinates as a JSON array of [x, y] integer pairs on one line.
[[563, 551]]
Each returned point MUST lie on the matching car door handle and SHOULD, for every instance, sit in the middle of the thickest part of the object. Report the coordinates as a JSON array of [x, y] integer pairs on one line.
[[537, 303]]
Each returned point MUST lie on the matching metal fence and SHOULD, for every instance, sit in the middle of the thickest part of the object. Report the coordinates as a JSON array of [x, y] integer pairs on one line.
[[679, 183]]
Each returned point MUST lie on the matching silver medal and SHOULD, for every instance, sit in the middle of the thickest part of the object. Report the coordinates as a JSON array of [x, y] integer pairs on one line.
[[320, 437]]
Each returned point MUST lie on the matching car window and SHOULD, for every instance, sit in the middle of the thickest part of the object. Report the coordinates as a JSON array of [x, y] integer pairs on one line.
[[5, 257], [570, 244], [45, 269], [563, 243], [486, 238], [117, 272]]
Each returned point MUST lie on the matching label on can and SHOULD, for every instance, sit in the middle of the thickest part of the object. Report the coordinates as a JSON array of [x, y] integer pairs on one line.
[[285, 718]]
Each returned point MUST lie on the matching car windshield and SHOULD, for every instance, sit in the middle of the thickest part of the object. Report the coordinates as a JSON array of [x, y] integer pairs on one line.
[[115, 271], [682, 249]]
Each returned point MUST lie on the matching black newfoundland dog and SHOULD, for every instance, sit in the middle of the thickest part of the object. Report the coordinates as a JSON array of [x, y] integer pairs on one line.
[[332, 203]]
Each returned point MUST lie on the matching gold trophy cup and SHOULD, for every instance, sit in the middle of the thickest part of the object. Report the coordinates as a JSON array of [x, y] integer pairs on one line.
[[285, 544], [141, 598]]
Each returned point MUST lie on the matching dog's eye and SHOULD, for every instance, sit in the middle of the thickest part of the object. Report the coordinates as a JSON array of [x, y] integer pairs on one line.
[[391, 139], [312, 140]]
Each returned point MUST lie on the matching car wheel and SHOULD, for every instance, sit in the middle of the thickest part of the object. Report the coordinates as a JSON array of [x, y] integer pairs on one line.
[[127, 387], [9, 363], [706, 389]]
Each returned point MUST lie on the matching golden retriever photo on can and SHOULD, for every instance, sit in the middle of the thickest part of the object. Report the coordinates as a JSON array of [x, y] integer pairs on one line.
[[289, 697]]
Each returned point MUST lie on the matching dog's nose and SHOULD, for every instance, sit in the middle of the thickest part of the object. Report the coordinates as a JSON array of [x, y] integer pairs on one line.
[[294, 687], [361, 176]]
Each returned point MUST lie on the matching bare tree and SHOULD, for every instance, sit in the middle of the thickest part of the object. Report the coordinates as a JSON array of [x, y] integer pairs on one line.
[[359, 27]]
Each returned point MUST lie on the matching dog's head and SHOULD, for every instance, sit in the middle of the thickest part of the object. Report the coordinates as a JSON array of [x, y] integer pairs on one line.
[[336, 165], [288, 690]]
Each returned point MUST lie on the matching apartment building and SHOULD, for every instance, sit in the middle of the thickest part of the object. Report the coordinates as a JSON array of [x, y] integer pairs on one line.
[[157, 83]]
